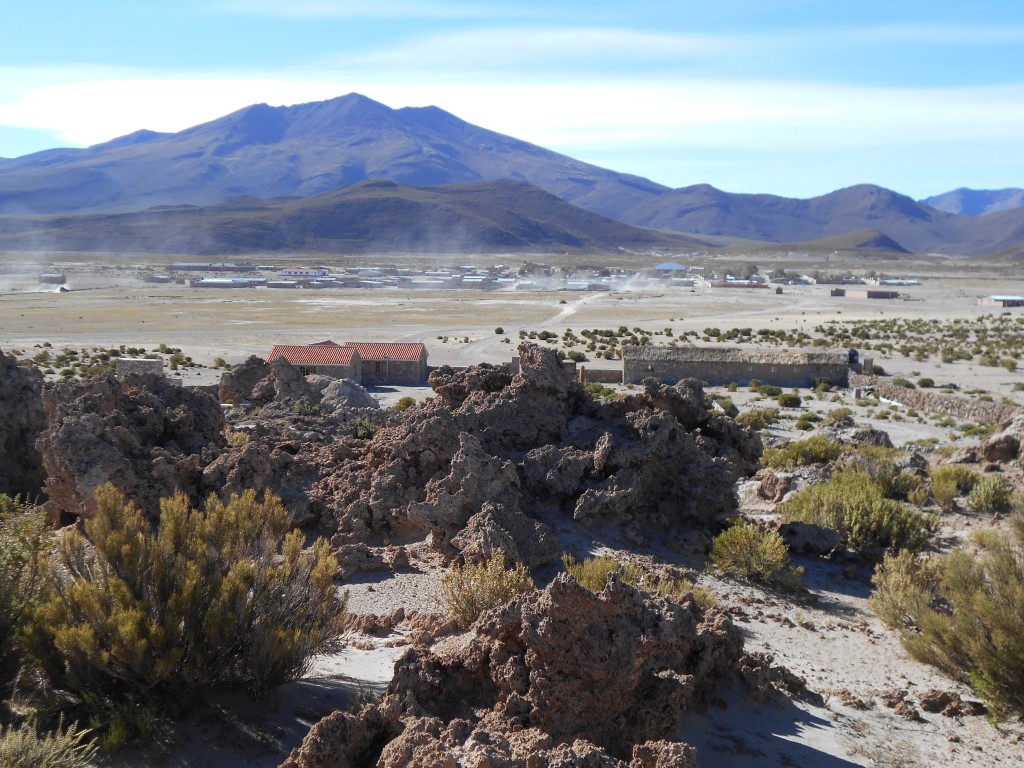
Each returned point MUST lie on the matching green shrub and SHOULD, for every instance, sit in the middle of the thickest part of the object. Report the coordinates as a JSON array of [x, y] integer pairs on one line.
[[899, 381], [788, 400], [951, 481], [839, 416], [404, 403], [769, 390], [990, 494], [962, 613], [925, 383], [306, 408], [853, 502], [468, 591], [592, 573], [25, 542], [727, 405], [24, 747], [576, 356], [758, 418], [751, 553], [816, 449], [156, 617], [499, 330]]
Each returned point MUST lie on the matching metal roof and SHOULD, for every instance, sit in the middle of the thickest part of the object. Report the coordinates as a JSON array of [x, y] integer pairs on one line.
[[315, 354], [392, 351]]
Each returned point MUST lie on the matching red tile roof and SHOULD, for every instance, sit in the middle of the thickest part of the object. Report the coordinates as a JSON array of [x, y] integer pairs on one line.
[[410, 352], [315, 354]]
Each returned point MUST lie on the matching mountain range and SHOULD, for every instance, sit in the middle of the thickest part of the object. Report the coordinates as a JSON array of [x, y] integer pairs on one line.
[[253, 175]]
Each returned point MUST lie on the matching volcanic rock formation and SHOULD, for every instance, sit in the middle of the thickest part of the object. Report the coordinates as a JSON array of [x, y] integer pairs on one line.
[[561, 677], [22, 419]]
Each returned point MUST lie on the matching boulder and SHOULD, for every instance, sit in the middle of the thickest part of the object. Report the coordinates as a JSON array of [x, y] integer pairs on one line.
[[808, 538], [22, 420], [237, 385], [345, 393]]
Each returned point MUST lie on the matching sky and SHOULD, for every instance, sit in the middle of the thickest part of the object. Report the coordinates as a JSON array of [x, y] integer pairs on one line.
[[791, 97]]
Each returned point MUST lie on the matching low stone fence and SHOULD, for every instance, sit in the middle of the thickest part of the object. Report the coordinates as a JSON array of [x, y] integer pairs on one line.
[[968, 409], [600, 375]]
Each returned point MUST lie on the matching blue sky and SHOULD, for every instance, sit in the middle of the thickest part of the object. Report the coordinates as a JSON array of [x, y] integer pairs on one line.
[[793, 97]]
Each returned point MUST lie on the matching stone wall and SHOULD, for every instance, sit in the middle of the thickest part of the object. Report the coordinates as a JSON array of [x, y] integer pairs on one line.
[[970, 409], [601, 375], [126, 365], [723, 365], [405, 372]]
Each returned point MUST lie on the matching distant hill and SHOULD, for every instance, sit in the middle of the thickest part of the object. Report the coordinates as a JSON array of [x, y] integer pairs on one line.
[[367, 215], [704, 210], [267, 153], [300, 150], [977, 202]]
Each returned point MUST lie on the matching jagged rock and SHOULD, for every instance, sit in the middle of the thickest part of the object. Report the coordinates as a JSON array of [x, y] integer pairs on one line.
[[809, 539], [289, 383], [345, 393], [521, 538], [147, 436], [1000, 448], [857, 435], [775, 485], [538, 439], [454, 386], [345, 740], [559, 677], [22, 420], [237, 384]]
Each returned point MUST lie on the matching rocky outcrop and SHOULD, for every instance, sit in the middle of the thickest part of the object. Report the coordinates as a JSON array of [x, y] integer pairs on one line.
[[148, 437], [560, 677], [237, 384], [22, 419], [534, 441]]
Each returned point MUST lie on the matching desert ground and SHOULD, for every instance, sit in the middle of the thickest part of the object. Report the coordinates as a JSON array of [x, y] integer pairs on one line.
[[832, 639]]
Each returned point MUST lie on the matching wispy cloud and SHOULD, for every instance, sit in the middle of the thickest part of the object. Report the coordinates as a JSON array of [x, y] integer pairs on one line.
[[338, 9]]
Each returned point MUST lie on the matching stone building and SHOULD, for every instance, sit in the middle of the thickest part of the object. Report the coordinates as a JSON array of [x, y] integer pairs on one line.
[[391, 363], [324, 357], [720, 365], [137, 365]]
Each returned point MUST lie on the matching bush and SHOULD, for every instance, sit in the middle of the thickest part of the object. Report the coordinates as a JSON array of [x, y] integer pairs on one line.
[[853, 502], [404, 403], [499, 330], [751, 553], [24, 747], [25, 541], [990, 494], [576, 356], [839, 416], [156, 617], [593, 573], [816, 449], [925, 383], [788, 400], [769, 390], [961, 612], [951, 481], [468, 591], [899, 381], [758, 418], [726, 404]]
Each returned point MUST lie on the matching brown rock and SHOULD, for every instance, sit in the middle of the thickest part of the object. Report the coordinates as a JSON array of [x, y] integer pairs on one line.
[[22, 420]]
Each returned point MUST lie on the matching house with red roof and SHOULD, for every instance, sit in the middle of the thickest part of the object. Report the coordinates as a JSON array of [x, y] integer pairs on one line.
[[391, 363], [325, 358], [367, 363]]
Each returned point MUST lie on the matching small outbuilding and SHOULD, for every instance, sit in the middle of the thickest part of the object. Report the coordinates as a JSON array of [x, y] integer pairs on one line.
[[1002, 301]]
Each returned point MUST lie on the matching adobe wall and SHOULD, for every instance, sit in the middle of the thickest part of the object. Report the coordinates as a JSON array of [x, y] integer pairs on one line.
[[717, 373], [125, 365], [337, 371], [602, 375], [404, 372], [968, 409]]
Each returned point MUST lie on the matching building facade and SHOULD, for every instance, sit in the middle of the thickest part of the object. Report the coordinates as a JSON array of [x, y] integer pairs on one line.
[[719, 365], [391, 363], [325, 358]]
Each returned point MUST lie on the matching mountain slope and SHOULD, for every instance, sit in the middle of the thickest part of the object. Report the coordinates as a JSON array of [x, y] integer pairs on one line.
[[704, 210], [977, 202], [371, 214], [299, 150]]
